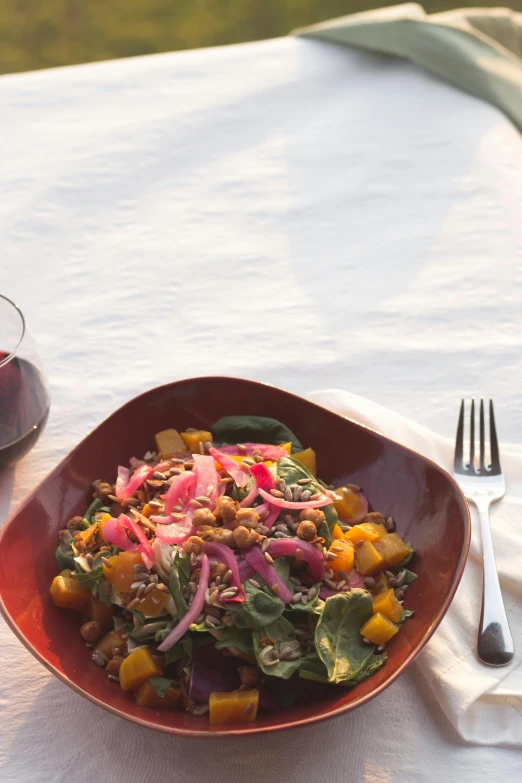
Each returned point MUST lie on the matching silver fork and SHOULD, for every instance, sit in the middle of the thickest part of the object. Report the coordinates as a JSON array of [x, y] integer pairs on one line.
[[482, 486]]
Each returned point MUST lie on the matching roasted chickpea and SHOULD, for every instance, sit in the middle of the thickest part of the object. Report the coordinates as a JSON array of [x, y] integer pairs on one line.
[[306, 531], [248, 517], [193, 545], [374, 517], [74, 523], [203, 517], [102, 490], [249, 675], [226, 509], [314, 515], [113, 667], [91, 631], [244, 537], [223, 536], [217, 569]]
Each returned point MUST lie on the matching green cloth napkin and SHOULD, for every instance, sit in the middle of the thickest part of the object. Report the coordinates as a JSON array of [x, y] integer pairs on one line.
[[477, 49]]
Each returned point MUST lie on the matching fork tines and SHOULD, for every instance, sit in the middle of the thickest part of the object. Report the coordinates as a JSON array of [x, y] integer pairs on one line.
[[460, 466]]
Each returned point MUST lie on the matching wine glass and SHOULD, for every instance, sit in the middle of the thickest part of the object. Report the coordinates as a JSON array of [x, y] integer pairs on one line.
[[24, 394]]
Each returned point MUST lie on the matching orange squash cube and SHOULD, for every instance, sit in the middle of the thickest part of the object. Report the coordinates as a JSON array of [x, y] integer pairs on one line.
[[349, 505], [367, 559], [308, 458], [381, 583], [101, 525], [100, 612], [124, 570], [138, 667], [68, 593], [154, 603], [379, 629], [111, 644], [168, 442], [344, 556], [193, 439], [233, 707], [392, 549], [109, 571], [387, 604], [366, 531], [337, 533], [146, 696]]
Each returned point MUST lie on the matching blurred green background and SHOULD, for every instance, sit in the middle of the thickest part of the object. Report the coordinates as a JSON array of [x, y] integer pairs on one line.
[[45, 33]]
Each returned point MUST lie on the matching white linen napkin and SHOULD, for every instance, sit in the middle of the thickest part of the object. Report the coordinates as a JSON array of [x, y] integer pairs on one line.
[[483, 703]]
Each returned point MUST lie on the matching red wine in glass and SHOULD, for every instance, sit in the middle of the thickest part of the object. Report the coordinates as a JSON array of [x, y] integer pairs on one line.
[[24, 396]]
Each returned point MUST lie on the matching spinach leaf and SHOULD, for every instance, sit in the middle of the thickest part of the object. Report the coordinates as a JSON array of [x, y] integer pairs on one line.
[[408, 557], [410, 576], [254, 429], [95, 506], [65, 560], [312, 668], [281, 631], [202, 628], [238, 638], [291, 470], [160, 685], [88, 578], [338, 641], [405, 614], [179, 576], [373, 663], [259, 608], [182, 649], [162, 634]]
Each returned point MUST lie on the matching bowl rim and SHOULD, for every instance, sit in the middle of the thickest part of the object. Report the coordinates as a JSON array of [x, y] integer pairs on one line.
[[247, 730]]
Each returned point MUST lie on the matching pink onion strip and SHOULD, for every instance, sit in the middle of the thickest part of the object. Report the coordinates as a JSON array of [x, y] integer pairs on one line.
[[245, 570], [240, 475], [294, 547], [178, 490], [145, 549], [193, 612], [263, 479], [225, 555], [114, 533], [268, 452], [176, 532], [126, 487], [324, 500], [257, 560], [207, 476]]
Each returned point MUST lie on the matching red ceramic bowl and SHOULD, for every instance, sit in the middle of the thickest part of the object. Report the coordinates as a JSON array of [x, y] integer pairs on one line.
[[427, 505]]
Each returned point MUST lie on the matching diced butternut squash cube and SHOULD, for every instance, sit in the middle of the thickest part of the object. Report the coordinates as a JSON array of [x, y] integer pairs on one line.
[[308, 459], [350, 504], [154, 603], [124, 570], [233, 707], [109, 571], [379, 629], [146, 510], [381, 583], [344, 556], [100, 612], [287, 447], [168, 442], [112, 643], [138, 667], [367, 559], [146, 696], [337, 533], [193, 439], [386, 604], [392, 549], [366, 531], [66, 572], [68, 593]]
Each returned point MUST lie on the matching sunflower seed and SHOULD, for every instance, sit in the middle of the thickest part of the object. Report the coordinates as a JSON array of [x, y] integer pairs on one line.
[[317, 496], [390, 525], [311, 593], [343, 575], [381, 648], [192, 587], [399, 595], [256, 452], [210, 621], [389, 574], [304, 599], [248, 461], [241, 448], [255, 584], [330, 583], [288, 494], [366, 641], [304, 481], [329, 573], [199, 619], [221, 587], [345, 528], [269, 559], [207, 445], [210, 489], [141, 590], [140, 576], [155, 504], [198, 709], [276, 493], [113, 678], [400, 578], [228, 576], [202, 499], [298, 491], [341, 584], [265, 544], [296, 598], [190, 429], [133, 604], [159, 476], [89, 644], [306, 495], [369, 582], [281, 484], [149, 588], [188, 465], [177, 460], [392, 582], [195, 503], [293, 656], [178, 508], [280, 535], [99, 658], [193, 559], [175, 472], [106, 562], [330, 556], [337, 549], [201, 447]]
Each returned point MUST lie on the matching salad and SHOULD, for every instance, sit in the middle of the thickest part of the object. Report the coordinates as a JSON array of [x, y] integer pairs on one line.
[[219, 575]]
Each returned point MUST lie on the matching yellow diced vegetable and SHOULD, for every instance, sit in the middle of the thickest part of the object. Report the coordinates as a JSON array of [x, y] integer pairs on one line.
[[392, 548], [337, 533], [366, 531], [146, 696], [233, 707], [308, 459], [109, 571], [287, 447], [111, 642], [100, 612], [168, 442], [101, 524], [124, 570], [367, 559], [193, 439], [387, 604], [154, 603], [349, 505], [381, 583], [344, 556], [379, 629], [68, 593], [138, 667]]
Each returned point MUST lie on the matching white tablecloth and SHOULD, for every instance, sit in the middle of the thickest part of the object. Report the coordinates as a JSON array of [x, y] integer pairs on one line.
[[287, 211]]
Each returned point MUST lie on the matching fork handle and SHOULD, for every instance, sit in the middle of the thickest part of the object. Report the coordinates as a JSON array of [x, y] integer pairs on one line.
[[495, 644]]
